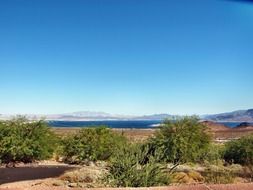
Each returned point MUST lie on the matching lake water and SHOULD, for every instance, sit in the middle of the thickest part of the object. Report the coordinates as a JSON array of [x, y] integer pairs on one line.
[[139, 124]]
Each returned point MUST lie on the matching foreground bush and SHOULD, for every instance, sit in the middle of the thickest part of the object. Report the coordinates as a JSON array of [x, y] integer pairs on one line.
[[128, 169], [184, 140], [91, 144], [21, 140], [240, 151]]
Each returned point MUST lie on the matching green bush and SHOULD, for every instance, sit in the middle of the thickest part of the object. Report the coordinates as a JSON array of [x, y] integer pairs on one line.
[[97, 143], [213, 154], [128, 169], [240, 151], [180, 141], [25, 141]]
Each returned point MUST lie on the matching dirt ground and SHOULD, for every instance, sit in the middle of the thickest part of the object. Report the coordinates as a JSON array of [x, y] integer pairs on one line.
[[248, 186], [142, 134], [132, 134], [8, 175], [40, 177]]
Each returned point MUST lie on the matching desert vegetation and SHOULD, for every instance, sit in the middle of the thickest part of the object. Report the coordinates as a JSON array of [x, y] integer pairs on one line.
[[24, 141], [180, 151], [240, 151], [185, 140], [133, 166], [91, 144]]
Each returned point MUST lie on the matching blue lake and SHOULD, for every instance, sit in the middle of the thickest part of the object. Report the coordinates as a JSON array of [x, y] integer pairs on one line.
[[136, 124], [140, 124]]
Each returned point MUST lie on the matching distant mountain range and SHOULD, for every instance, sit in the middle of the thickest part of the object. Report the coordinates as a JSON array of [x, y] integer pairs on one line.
[[235, 116], [89, 116]]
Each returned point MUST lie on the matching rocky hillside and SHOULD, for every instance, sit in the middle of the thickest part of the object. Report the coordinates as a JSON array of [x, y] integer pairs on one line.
[[235, 116]]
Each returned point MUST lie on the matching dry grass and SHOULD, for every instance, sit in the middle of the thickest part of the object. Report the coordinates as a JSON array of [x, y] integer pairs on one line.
[[87, 176], [191, 177]]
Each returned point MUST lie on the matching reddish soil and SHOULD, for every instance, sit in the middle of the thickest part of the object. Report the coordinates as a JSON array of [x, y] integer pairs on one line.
[[248, 186], [215, 126], [219, 131]]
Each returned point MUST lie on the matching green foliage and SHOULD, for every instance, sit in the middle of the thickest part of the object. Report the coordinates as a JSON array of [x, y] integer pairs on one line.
[[213, 154], [184, 140], [240, 151], [21, 140], [128, 169], [97, 143]]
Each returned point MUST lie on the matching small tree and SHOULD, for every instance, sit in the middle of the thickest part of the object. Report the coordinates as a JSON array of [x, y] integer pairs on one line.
[[26, 141], [183, 140]]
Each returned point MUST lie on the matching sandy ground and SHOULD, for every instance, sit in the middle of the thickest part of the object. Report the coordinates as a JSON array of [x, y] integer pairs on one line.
[[54, 177]]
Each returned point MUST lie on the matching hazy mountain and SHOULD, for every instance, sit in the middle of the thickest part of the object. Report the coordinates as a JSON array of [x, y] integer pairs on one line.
[[87, 115], [235, 116], [82, 115], [155, 117]]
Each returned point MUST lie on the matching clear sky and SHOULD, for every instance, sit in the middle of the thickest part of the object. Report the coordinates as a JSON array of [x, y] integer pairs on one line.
[[126, 56]]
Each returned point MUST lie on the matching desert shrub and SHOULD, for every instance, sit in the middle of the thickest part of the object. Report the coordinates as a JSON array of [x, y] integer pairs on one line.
[[187, 177], [240, 151], [248, 172], [84, 177], [128, 169], [92, 144], [213, 154], [219, 175], [183, 140], [25, 141], [196, 176]]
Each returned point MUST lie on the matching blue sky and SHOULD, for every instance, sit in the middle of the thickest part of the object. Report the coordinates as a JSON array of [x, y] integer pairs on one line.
[[127, 56]]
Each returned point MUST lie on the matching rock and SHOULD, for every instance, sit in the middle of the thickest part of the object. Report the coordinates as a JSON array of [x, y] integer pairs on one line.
[[60, 159], [92, 164], [11, 165], [58, 183], [73, 184], [102, 164]]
